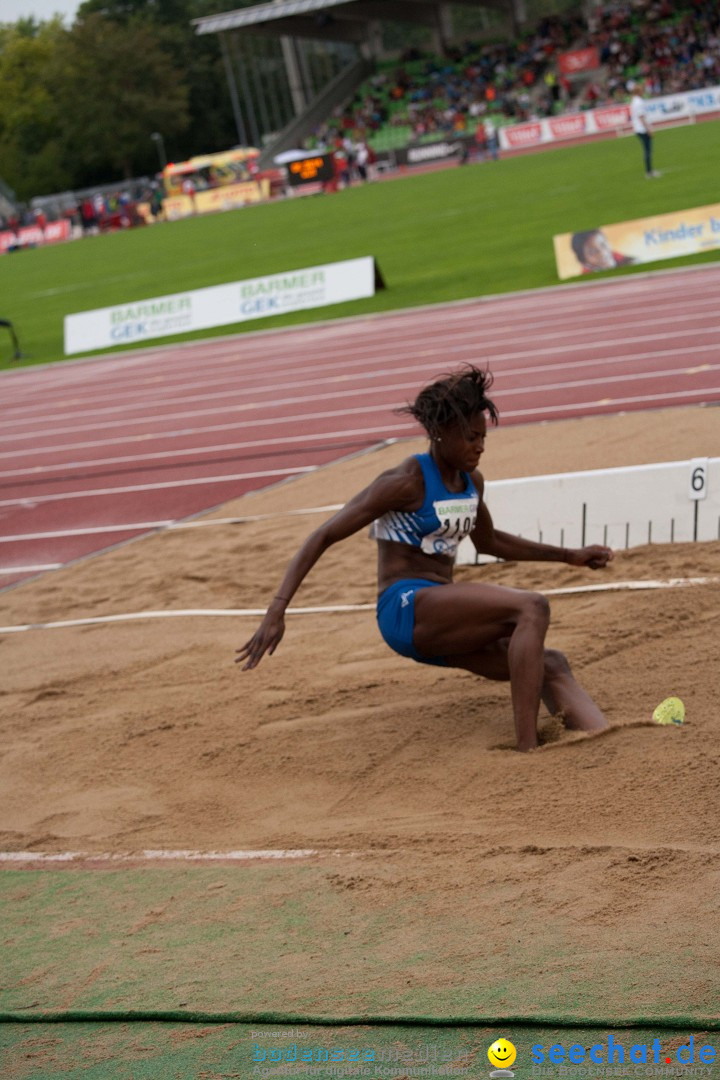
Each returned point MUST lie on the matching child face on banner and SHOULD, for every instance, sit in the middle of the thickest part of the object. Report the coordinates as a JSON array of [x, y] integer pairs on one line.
[[597, 253]]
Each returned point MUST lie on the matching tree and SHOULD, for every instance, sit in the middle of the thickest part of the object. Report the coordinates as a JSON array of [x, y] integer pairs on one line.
[[116, 85], [31, 148], [211, 123], [159, 12]]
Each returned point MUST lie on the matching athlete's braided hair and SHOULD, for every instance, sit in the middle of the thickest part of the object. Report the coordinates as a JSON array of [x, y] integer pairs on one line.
[[454, 399]]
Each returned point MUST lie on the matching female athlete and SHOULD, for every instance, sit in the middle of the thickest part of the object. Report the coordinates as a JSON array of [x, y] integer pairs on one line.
[[419, 513]]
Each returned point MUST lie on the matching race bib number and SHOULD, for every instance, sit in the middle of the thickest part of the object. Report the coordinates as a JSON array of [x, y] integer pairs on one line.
[[457, 519]]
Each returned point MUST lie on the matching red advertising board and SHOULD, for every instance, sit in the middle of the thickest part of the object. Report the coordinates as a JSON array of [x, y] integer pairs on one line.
[[611, 116], [523, 135], [568, 127], [30, 235], [57, 230], [570, 63]]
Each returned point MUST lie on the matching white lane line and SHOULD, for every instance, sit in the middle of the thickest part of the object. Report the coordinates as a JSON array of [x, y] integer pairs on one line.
[[183, 433], [100, 530], [144, 526], [244, 408], [30, 569], [613, 586], [158, 383], [152, 856], [196, 451], [639, 376], [190, 613], [305, 399], [608, 404], [34, 500]]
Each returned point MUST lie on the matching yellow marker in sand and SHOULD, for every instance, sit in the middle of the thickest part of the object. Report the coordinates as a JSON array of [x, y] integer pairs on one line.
[[670, 711]]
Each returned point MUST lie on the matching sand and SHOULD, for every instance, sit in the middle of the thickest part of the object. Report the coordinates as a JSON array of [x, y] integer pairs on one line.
[[145, 734], [124, 737]]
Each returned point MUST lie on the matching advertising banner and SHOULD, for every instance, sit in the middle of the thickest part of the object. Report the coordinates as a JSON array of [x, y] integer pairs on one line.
[[568, 127], [663, 110], [31, 235], [220, 305], [225, 197], [519, 136], [579, 60], [422, 153], [628, 243], [609, 118]]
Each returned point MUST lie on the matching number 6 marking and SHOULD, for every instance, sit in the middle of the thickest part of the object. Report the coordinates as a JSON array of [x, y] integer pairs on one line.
[[698, 478]]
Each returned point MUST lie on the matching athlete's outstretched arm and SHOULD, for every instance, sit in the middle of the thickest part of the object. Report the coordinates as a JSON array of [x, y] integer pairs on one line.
[[491, 541], [396, 489]]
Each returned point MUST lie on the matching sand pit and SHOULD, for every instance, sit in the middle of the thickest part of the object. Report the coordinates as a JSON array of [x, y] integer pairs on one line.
[[144, 735]]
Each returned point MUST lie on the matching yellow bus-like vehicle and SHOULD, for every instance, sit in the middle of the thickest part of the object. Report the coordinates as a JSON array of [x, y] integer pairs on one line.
[[217, 182]]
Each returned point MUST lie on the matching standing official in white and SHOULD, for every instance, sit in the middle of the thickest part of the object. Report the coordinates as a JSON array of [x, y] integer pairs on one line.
[[641, 127]]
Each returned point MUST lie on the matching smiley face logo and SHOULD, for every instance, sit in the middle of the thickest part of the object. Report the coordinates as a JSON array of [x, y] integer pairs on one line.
[[502, 1054]]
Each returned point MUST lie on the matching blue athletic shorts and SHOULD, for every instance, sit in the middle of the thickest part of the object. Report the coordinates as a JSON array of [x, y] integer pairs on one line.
[[396, 618]]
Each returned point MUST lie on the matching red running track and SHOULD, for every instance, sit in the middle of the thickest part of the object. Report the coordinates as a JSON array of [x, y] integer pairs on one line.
[[97, 452]]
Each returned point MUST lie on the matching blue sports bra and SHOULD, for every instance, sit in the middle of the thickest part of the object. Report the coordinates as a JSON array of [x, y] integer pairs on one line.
[[442, 521]]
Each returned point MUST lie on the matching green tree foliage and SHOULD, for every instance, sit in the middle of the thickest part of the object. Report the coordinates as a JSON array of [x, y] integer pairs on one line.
[[210, 124], [31, 150], [116, 85]]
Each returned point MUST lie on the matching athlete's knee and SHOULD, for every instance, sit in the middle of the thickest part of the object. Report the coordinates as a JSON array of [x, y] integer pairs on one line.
[[536, 608], [556, 664]]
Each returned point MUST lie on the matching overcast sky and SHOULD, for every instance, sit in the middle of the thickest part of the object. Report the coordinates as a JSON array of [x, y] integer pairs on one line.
[[10, 10]]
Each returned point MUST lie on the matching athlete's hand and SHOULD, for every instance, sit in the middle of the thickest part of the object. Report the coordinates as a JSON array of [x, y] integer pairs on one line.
[[265, 640], [595, 556]]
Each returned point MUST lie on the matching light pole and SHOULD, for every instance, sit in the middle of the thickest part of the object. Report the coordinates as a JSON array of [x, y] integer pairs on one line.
[[160, 144]]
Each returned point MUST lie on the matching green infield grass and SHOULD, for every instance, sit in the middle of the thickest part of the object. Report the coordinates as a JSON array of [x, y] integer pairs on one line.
[[462, 232]]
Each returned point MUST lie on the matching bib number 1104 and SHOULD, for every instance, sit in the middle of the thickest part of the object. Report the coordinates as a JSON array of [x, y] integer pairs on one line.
[[451, 528]]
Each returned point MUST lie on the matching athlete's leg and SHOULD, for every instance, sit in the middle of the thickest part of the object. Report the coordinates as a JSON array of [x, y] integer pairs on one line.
[[566, 696], [460, 619], [561, 693]]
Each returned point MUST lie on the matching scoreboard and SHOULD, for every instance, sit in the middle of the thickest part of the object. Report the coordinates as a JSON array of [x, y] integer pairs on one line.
[[314, 169]]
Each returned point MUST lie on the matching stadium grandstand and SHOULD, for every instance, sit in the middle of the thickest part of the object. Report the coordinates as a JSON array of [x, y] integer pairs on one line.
[[343, 38], [310, 73]]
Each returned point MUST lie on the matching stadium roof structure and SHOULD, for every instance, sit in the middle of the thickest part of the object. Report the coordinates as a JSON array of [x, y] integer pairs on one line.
[[336, 20], [299, 27]]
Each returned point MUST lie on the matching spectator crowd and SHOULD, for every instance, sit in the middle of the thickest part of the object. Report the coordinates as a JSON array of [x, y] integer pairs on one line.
[[670, 46]]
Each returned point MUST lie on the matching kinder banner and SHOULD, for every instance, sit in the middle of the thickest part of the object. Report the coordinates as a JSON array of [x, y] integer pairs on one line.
[[608, 118], [225, 197], [239, 301], [666, 236]]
